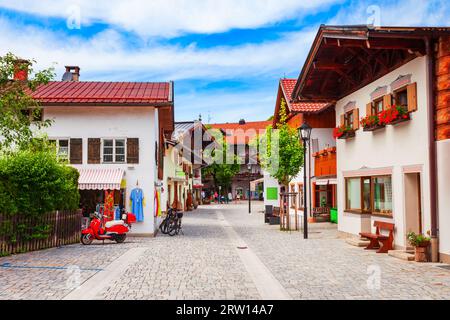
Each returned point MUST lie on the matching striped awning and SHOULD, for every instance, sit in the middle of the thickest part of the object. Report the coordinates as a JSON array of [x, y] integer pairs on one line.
[[100, 179]]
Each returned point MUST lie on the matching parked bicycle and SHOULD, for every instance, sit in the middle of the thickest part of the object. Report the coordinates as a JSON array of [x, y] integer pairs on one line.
[[171, 224]]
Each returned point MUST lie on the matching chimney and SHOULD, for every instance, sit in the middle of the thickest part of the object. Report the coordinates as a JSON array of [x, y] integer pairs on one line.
[[72, 73], [21, 69], [242, 121]]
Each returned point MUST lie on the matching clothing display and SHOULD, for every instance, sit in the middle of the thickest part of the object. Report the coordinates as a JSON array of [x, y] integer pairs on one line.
[[137, 203]]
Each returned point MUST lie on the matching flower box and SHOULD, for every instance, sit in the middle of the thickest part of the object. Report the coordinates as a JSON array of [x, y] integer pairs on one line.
[[404, 118], [373, 127], [347, 134]]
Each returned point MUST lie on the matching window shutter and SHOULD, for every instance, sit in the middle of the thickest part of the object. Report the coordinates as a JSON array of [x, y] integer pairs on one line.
[[369, 109], [94, 150], [355, 119], [342, 119], [387, 101], [133, 150], [412, 96], [76, 151]]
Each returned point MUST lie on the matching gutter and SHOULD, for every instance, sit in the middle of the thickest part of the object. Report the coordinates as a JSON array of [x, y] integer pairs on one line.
[[432, 155]]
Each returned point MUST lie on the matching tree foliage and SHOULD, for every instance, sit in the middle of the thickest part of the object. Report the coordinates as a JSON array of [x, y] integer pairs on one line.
[[19, 112], [280, 150], [225, 165]]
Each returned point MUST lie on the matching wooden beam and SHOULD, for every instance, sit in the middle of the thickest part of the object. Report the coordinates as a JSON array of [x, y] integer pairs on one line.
[[329, 65]]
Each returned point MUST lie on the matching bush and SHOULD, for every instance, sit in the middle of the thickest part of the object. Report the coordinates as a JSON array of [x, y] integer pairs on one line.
[[34, 182]]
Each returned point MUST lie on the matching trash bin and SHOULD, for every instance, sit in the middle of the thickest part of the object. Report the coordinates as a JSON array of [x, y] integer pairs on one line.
[[333, 215]]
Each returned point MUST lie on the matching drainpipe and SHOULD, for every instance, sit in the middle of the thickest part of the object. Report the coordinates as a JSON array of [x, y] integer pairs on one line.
[[432, 152]]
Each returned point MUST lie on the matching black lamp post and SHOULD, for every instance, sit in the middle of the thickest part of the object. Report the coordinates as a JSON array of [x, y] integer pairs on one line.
[[249, 167], [305, 134]]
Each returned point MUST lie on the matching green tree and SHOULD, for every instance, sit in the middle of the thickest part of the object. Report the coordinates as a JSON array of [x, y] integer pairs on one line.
[[224, 167], [19, 112], [280, 150]]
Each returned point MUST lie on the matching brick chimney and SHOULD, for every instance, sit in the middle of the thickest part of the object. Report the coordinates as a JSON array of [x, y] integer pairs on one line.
[[21, 69], [72, 73]]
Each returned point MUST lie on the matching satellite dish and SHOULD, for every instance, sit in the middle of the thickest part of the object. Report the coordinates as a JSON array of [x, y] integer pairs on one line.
[[67, 76]]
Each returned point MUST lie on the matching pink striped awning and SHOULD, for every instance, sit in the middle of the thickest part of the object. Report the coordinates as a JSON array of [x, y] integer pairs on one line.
[[100, 179]]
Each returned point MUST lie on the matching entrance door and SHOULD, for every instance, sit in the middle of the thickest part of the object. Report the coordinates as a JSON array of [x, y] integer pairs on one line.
[[413, 203]]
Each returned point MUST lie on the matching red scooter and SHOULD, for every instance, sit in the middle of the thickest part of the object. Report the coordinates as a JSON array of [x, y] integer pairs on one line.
[[115, 230]]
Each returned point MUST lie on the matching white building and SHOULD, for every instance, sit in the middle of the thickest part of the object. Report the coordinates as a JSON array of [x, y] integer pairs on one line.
[[397, 172], [111, 132]]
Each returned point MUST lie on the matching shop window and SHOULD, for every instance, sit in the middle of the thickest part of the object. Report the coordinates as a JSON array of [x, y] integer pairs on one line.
[[382, 196], [114, 151], [353, 194], [369, 195]]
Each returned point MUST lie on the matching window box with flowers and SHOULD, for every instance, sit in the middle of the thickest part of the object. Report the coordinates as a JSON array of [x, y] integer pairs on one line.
[[343, 132], [394, 115], [371, 123]]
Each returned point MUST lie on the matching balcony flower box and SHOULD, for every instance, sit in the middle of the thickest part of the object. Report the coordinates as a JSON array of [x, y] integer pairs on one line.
[[371, 123], [394, 115], [343, 132], [331, 150]]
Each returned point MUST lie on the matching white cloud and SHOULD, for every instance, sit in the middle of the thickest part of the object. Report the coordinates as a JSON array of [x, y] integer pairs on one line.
[[398, 13], [167, 18], [108, 55]]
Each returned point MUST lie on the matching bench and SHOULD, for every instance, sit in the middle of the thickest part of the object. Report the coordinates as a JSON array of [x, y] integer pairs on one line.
[[275, 217], [387, 242]]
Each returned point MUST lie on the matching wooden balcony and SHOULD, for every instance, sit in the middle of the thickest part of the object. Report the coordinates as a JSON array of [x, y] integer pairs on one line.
[[325, 162]]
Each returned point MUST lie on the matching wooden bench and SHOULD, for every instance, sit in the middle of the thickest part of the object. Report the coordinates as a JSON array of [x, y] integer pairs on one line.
[[387, 242], [275, 217]]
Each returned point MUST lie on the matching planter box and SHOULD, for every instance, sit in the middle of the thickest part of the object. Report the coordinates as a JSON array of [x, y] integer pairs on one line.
[[348, 134], [373, 128], [400, 120]]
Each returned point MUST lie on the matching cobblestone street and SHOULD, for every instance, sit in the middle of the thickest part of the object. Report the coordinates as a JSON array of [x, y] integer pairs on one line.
[[225, 253]]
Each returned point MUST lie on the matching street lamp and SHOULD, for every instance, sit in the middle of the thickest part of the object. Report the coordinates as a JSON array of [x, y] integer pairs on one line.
[[305, 134], [249, 167]]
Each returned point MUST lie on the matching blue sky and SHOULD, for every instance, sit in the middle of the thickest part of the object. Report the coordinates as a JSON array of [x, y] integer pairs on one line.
[[225, 56]]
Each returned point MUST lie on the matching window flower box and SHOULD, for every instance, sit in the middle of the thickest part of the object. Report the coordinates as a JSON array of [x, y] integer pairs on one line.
[[394, 115], [343, 132], [371, 123]]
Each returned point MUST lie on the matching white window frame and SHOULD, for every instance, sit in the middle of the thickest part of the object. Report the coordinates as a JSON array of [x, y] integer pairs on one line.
[[57, 140], [114, 139]]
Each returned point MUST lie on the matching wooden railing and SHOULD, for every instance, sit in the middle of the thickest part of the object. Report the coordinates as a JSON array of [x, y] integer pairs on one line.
[[64, 228]]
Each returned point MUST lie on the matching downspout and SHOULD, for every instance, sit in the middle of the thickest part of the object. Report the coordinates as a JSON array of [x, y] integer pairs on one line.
[[432, 157]]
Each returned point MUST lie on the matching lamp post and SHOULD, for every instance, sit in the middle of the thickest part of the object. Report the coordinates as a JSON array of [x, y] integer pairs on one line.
[[249, 167], [305, 134]]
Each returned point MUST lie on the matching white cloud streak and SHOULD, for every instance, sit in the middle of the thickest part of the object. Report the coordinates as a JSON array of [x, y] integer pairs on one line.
[[169, 18]]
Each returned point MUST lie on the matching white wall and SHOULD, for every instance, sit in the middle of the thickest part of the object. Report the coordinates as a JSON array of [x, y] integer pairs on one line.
[[114, 122], [443, 169], [397, 146]]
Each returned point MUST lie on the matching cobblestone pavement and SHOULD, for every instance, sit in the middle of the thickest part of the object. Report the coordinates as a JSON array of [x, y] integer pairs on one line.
[[204, 263]]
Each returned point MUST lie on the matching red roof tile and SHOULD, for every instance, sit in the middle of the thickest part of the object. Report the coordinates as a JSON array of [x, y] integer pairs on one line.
[[237, 133], [287, 86], [75, 92]]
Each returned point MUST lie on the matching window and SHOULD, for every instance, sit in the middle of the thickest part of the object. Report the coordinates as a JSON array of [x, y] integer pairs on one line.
[[301, 199], [369, 195], [377, 106], [114, 150], [353, 194], [382, 197], [62, 148], [401, 97], [349, 119]]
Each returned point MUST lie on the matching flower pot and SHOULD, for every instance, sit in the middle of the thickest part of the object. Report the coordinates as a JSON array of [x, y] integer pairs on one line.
[[421, 254]]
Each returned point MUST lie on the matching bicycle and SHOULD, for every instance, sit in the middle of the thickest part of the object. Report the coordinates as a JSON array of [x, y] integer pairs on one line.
[[174, 227], [164, 226]]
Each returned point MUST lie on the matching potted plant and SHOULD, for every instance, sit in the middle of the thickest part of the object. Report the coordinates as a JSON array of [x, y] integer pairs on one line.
[[420, 243], [371, 123], [343, 132], [393, 115]]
